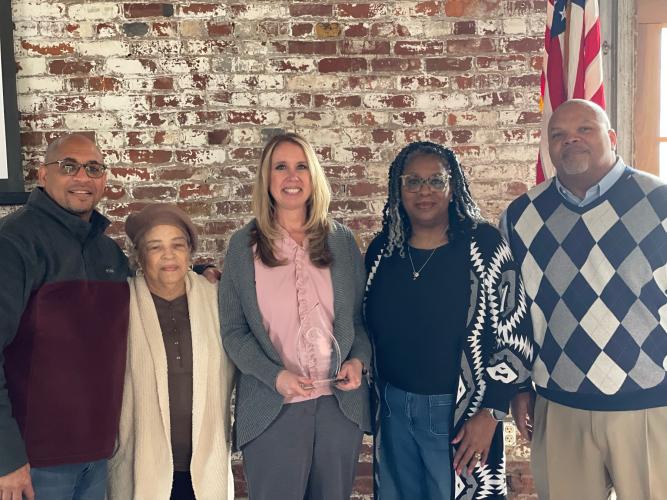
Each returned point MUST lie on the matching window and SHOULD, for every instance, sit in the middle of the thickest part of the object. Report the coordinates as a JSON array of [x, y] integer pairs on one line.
[[650, 115]]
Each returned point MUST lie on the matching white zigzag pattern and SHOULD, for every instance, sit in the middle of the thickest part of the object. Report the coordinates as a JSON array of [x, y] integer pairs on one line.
[[499, 479], [486, 481], [475, 338], [374, 268], [507, 327]]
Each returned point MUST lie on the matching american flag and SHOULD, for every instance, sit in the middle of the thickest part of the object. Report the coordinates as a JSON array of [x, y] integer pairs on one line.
[[572, 65]]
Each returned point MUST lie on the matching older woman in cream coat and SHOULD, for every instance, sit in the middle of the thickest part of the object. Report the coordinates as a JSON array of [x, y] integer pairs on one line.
[[174, 439]]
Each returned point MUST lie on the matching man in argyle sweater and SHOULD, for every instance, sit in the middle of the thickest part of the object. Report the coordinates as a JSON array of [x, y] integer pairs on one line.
[[592, 246]]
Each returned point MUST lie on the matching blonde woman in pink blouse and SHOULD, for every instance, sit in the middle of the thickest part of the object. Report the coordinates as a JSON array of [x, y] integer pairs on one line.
[[292, 263]]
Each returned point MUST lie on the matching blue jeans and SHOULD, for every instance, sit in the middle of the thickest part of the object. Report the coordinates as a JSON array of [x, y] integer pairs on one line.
[[84, 481], [414, 458]]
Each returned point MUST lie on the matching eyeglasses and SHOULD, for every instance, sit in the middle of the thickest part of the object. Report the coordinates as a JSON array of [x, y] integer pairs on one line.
[[413, 183], [68, 166]]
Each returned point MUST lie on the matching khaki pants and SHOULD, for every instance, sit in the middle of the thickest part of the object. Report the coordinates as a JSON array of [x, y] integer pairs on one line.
[[584, 455]]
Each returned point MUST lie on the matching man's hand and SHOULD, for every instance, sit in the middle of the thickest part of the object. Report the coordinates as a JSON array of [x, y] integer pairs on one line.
[[17, 485], [523, 407], [212, 274]]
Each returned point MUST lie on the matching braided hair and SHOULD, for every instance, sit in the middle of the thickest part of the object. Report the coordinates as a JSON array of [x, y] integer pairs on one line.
[[464, 214]]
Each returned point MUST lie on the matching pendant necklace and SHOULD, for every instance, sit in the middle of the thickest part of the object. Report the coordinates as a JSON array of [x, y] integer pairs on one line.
[[417, 272]]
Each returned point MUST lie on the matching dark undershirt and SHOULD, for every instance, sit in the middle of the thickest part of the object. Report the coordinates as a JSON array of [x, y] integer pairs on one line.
[[175, 325], [418, 325]]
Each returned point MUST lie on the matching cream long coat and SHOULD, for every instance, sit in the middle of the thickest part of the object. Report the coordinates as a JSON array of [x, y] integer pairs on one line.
[[142, 467]]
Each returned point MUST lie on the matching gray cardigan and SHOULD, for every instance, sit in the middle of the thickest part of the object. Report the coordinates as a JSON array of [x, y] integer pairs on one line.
[[249, 346]]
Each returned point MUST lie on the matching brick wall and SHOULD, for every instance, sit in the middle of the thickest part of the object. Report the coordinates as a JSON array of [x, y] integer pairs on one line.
[[181, 96]]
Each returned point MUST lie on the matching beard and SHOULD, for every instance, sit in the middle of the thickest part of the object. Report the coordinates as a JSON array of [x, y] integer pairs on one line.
[[574, 168], [574, 162]]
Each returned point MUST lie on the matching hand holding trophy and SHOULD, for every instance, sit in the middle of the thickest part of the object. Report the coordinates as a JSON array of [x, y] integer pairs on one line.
[[318, 352]]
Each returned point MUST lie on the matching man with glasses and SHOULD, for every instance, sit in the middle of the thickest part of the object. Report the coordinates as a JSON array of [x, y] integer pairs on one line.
[[63, 332]]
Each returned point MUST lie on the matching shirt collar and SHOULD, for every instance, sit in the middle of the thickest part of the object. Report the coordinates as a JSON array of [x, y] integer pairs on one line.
[[81, 229], [596, 191]]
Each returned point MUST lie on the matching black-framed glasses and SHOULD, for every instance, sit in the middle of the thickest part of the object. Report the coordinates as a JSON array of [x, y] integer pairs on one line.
[[68, 166], [413, 183]]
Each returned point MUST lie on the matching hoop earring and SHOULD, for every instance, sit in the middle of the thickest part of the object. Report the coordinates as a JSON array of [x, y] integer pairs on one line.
[[138, 272]]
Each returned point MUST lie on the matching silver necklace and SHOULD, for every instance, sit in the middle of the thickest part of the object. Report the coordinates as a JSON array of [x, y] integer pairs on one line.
[[417, 273]]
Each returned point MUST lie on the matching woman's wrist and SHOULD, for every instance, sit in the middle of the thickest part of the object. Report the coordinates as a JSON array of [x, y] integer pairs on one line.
[[496, 415]]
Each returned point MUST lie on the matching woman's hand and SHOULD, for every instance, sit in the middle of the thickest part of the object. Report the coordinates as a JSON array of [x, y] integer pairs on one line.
[[289, 385], [474, 440], [350, 375]]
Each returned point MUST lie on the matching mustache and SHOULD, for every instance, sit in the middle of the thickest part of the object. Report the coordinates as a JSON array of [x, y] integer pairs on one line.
[[575, 149]]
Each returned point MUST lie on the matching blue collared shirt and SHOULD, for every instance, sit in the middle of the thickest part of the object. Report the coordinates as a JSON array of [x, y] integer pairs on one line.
[[592, 194], [596, 191]]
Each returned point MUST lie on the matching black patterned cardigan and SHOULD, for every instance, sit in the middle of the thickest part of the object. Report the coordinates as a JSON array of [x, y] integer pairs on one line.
[[497, 352]]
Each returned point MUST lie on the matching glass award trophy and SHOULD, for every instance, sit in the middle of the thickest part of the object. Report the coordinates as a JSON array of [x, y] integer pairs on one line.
[[318, 353]]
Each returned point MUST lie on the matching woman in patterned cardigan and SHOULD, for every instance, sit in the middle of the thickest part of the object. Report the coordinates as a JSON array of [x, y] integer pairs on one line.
[[447, 315]]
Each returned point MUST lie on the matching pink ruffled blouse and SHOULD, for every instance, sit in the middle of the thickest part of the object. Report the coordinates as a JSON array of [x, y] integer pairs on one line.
[[286, 296]]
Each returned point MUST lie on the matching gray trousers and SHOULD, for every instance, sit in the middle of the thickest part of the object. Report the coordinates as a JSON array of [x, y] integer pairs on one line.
[[309, 451]]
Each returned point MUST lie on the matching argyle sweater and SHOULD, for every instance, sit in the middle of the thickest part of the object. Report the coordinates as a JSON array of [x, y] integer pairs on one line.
[[596, 276]]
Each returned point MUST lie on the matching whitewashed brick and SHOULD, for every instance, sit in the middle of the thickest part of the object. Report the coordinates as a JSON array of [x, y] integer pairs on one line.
[[260, 82], [514, 26], [35, 10], [190, 138], [245, 99], [25, 29], [31, 103], [262, 11], [149, 48], [312, 82], [39, 84], [93, 11], [516, 152], [240, 65], [245, 136], [122, 66], [123, 102], [179, 65], [31, 66], [107, 48], [91, 121], [456, 100], [279, 100]]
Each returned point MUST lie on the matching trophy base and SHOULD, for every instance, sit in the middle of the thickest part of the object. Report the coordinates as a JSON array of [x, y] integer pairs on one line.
[[323, 382]]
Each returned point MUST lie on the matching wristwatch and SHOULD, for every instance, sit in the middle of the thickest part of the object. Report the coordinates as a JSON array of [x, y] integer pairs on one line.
[[497, 415]]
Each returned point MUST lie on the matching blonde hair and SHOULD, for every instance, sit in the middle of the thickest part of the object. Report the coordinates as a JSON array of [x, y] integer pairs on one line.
[[317, 207]]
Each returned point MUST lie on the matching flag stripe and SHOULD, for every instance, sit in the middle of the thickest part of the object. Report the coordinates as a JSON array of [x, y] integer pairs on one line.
[[572, 65]]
